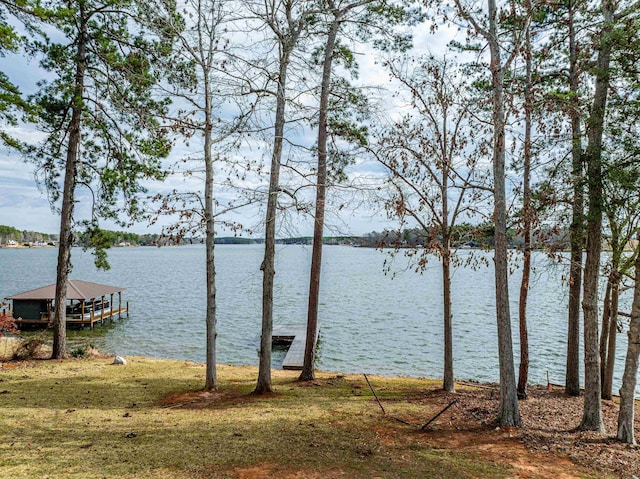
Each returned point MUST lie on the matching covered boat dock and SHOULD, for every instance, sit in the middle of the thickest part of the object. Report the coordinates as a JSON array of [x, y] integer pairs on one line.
[[87, 303]]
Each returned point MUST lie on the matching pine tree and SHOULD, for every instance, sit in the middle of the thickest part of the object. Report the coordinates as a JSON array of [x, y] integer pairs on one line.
[[99, 116]]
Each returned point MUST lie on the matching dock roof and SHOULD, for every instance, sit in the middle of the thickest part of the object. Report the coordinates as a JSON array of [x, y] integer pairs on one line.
[[76, 289]]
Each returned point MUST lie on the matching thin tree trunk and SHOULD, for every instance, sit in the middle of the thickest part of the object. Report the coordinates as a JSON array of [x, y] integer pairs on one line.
[[572, 370], [604, 333], [66, 215], [523, 375], [509, 413], [263, 385], [211, 379], [321, 192], [64, 258], [572, 379], [630, 375], [608, 366], [448, 380], [448, 383], [592, 415]]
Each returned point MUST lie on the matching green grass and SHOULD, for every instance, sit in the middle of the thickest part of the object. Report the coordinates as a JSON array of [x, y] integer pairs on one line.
[[71, 419]]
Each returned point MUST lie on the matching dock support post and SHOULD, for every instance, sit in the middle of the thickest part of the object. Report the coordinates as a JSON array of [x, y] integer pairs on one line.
[[111, 308], [127, 309], [119, 305]]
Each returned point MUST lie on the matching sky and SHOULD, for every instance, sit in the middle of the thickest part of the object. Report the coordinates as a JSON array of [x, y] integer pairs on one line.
[[25, 205]]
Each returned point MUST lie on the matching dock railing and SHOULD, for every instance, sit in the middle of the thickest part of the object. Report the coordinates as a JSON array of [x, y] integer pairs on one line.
[[89, 319]]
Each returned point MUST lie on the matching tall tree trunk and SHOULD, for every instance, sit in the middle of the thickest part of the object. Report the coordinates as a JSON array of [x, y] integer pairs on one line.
[[509, 414], [592, 415], [321, 192], [268, 264], [448, 380], [630, 375], [572, 374], [68, 194], [523, 373], [211, 379], [448, 383], [608, 366]]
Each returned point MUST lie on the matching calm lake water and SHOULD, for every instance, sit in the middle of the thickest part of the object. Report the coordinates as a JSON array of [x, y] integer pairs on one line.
[[370, 321]]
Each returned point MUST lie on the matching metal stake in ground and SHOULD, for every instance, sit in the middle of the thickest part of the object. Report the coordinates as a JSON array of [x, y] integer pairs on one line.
[[374, 394], [438, 415]]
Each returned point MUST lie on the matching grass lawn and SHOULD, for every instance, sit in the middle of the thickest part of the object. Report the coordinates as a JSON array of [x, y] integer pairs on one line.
[[90, 419]]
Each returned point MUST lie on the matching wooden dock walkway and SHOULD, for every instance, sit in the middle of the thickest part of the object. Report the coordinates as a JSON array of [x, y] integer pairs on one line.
[[296, 334]]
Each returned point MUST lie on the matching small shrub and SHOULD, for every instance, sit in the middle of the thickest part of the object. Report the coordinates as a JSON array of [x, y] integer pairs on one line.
[[86, 352], [7, 324], [78, 353], [30, 347]]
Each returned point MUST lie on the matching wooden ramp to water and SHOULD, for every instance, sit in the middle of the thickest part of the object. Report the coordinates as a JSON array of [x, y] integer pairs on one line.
[[296, 334]]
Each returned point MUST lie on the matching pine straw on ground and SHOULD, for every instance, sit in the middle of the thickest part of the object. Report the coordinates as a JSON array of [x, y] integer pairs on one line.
[[550, 420], [547, 446]]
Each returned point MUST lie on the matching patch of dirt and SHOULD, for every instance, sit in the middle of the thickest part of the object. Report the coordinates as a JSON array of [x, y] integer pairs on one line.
[[211, 399], [200, 399], [547, 445], [503, 447]]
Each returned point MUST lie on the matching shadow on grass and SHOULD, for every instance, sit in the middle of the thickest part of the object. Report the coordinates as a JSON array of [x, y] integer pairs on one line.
[[208, 443], [92, 384]]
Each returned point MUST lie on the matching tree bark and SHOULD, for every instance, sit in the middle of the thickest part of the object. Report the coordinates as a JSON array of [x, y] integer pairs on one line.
[[448, 380], [307, 373], [68, 194], [629, 377], [509, 413], [604, 332], [592, 415], [608, 366], [211, 379], [572, 374], [523, 373], [263, 385], [448, 383]]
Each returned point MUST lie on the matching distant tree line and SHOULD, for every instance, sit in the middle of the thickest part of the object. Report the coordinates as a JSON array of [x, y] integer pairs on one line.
[[464, 235], [105, 239], [8, 234]]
